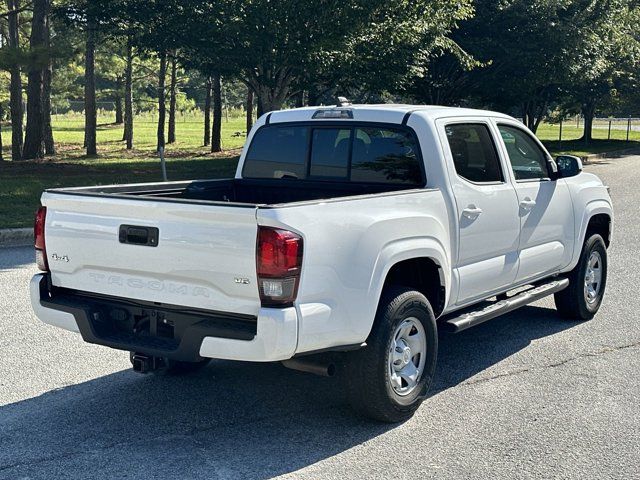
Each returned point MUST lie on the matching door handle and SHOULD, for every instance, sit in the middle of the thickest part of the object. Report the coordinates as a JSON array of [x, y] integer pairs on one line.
[[527, 204], [472, 212]]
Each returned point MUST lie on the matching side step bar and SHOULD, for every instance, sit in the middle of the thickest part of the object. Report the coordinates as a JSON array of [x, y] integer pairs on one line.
[[473, 318]]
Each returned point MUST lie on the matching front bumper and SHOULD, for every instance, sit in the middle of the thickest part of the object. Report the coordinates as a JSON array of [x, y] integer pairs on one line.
[[169, 331]]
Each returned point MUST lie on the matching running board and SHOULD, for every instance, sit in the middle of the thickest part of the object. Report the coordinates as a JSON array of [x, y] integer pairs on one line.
[[473, 318]]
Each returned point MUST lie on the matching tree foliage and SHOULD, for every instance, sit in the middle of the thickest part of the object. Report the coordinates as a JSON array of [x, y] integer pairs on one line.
[[524, 57]]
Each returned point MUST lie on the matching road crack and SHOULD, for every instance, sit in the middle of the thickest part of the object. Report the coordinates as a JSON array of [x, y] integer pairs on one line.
[[519, 371]]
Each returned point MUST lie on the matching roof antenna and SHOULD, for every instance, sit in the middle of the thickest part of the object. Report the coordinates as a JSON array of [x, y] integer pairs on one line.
[[343, 102]]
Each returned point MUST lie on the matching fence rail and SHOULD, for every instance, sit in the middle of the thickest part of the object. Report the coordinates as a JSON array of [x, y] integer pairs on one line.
[[604, 128]]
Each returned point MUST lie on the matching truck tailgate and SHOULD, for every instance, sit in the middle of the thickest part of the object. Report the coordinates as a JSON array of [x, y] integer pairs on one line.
[[204, 255]]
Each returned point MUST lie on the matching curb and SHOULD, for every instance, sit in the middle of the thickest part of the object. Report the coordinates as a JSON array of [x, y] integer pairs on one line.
[[16, 237], [612, 154]]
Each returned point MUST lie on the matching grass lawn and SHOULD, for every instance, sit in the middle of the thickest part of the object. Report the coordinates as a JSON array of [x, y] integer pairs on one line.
[[571, 143], [21, 183]]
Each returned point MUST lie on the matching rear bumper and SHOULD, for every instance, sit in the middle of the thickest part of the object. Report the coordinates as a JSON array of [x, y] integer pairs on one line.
[[174, 332]]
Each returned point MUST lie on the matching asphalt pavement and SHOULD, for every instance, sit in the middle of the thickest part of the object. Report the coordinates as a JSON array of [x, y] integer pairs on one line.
[[527, 395]]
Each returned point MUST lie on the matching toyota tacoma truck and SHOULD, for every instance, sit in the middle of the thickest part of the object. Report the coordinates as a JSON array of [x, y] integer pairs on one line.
[[354, 229]]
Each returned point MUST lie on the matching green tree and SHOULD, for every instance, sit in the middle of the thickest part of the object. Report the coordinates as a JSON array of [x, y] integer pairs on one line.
[[111, 64], [277, 47], [39, 58], [85, 15], [520, 46], [13, 16], [397, 46], [543, 52], [604, 56]]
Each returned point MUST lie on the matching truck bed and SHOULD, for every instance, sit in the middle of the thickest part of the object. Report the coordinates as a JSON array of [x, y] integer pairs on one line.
[[249, 192], [187, 244]]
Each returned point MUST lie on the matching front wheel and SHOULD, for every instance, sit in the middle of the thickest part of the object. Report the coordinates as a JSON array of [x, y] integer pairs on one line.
[[587, 281], [389, 378]]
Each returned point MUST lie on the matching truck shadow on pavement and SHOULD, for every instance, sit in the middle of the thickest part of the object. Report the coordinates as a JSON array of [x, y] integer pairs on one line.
[[231, 420], [16, 257], [462, 356]]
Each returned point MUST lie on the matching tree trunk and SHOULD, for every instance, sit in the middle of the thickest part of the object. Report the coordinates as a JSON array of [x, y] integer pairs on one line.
[[531, 120], [34, 138], [172, 101], [207, 113], [119, 110], [216, 133], [1, 115], [539, 115], [589, 112], [313, 97], [49, 144], [249, 109], [259, 109], [162, 108], [90, 110], [128, 96], [271, 98], [15, 89], [527, 114], [299, 99], [270, 104], [534, 111]]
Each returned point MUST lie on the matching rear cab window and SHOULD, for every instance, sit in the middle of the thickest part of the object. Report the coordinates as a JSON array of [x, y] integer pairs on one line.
[[277, 152], [344, 152]]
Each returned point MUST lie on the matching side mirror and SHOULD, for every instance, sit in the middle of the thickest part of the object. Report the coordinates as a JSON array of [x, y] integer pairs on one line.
[[568, 166]]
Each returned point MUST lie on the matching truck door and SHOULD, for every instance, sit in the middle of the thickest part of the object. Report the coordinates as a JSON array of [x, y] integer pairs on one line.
[[487, 210], [545, 207]]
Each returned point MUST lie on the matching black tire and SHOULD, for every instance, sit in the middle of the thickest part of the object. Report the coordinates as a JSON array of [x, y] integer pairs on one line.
[[572, 302], [368, 378]]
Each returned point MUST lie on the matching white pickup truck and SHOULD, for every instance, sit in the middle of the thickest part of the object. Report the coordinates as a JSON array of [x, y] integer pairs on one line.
[[353, 229]]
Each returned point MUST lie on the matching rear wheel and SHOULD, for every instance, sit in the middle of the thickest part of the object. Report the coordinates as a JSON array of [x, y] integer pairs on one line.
[[587, 281], [389, 378]]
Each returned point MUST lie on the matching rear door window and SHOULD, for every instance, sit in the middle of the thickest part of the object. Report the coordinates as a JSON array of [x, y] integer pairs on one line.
[[474, 152]]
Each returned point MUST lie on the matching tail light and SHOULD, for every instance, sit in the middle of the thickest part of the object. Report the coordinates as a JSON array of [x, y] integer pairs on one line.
[[38, 236], [279, 260]]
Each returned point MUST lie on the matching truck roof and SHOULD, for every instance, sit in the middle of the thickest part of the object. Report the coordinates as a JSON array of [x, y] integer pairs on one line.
[[388, 112]]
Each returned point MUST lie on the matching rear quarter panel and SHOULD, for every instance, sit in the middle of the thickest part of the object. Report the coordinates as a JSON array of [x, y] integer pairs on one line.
[[349, 246]]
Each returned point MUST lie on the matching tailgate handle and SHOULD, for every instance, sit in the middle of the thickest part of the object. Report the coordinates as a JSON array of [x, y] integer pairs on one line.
[[135, 235]]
